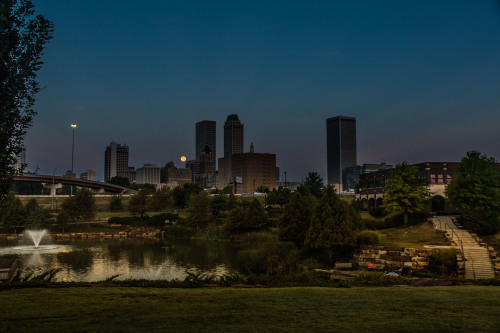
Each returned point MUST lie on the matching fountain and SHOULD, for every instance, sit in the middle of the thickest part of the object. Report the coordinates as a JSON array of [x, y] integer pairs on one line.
[[36, 236]]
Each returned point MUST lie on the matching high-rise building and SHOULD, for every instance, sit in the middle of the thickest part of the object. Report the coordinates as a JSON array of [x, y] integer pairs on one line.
[[233, 136], [341, 148], [115, 160], [88, 175], [172, 176], [205, 136], [21, 159], [148, 174], [247, 171]]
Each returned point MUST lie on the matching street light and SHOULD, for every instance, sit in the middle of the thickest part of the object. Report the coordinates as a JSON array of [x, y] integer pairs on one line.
[[73, 126]]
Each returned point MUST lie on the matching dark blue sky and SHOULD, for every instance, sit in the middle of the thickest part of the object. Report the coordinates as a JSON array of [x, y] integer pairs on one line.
[[421, 77]]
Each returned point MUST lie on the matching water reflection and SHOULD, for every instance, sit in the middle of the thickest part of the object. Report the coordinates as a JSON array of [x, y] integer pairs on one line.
[[152, 259]]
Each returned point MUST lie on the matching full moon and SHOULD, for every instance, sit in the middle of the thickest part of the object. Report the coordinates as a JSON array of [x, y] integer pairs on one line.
[[183, 158]]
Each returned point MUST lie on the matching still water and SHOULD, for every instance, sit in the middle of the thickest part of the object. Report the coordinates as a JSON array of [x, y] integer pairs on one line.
[[96, 260]]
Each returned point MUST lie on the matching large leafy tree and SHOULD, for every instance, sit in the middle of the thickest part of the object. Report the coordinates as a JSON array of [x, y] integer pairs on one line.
[[81, 205], [475, 191], [23, 37], [12, 212], [244, 218], [140, 202], [198, 209], [334, 225], [161, 199], [406, 192]]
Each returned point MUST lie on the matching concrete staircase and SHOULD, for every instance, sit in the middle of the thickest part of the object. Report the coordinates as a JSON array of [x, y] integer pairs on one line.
[[478, 264]]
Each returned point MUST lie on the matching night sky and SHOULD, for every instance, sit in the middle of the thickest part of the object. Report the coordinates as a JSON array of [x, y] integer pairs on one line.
[[421, 77]]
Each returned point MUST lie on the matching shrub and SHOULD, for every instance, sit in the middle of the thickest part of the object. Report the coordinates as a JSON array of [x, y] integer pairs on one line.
[[159, 219], [367, 237], [263, 253], [443, 262], [378, 212]]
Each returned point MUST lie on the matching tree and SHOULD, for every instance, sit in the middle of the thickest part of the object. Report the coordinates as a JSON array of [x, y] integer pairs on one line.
[[81, 205], [475, 191], [36, 215], [262, 189], [182, 193], [161, 199], [405, 191], [280, 196], [12, 212], [334, 225], [115, 203], [23, 37], [314, 183], [120, 181], [248, 217], [198, 209], [295, 220], [139, 203]]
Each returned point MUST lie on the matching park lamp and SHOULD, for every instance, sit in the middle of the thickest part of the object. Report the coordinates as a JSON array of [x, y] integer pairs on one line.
[[73, 125]]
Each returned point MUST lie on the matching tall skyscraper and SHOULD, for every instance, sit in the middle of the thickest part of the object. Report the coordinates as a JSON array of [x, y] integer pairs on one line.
[[341, 147], [115, 160], [233, 136], [21, 159], [205, 136]]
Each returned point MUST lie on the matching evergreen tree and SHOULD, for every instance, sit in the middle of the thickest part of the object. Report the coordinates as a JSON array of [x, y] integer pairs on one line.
[[295, 220], [334, 225], [313, 183], [405, 192]]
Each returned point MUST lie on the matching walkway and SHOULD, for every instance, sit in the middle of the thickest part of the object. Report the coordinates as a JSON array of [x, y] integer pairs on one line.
[[478, 264]]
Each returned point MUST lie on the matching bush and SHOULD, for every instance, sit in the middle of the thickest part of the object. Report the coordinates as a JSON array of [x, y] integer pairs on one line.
[[378, 212], [159, 219], [443, 262], [367, 237], [263, 253]]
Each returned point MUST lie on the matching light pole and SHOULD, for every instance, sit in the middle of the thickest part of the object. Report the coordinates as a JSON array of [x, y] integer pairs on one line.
[[73, 126]]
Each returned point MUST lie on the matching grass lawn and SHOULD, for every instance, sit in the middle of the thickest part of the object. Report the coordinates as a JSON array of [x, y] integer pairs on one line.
[[415, 236], [392, 309]]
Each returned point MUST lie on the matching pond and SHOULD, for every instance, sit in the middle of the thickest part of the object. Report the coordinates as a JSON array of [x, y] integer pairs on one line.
[[98, 259]]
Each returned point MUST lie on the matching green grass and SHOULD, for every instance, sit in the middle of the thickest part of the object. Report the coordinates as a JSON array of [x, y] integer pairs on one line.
[[409, 309], [415, 236]]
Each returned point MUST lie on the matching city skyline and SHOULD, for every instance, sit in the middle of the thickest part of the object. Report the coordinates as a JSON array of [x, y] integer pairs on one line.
[[422, 80]]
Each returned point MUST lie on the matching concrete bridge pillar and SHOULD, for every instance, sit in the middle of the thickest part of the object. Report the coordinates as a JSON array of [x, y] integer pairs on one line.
[[53, 188]]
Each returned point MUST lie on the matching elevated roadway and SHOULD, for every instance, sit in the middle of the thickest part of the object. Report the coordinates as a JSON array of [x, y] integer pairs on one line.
[[52, 181]]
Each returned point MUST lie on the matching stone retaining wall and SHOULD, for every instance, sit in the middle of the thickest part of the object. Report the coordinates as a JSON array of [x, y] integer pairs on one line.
[[388, 258], [98, 235]]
